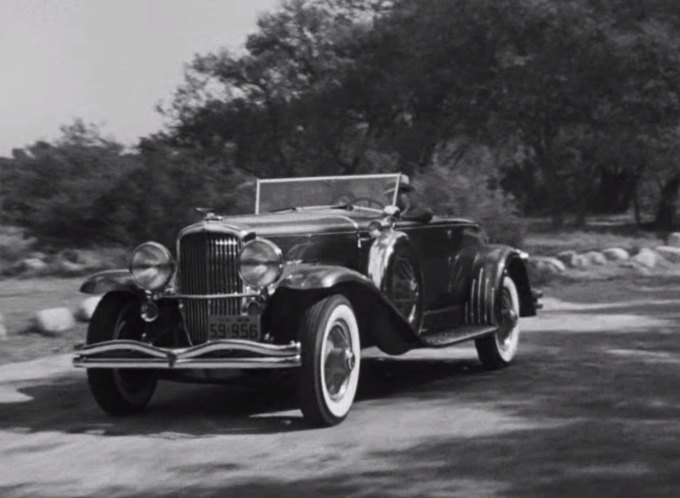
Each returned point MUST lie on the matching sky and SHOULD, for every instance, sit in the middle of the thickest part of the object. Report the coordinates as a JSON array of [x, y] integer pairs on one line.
[[109, 62]]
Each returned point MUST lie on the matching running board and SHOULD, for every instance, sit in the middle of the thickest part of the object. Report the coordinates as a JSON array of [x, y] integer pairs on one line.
[[455, 336]]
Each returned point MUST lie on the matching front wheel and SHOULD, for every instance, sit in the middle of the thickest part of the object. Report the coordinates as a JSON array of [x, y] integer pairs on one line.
[[119, 391], [497, 350], [331, 357]]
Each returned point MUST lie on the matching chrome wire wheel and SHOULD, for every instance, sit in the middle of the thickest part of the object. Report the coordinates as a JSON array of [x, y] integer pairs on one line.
[[404, 290], [506, 333], [331, 359], [339, 360]]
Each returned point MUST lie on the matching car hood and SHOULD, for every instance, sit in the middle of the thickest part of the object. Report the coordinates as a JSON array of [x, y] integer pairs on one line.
[[296, 222]]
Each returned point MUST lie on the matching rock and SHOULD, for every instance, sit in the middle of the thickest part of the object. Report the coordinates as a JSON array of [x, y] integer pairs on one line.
[[543, 263], [53, 321], [85, 310], [616, 254], [68, 268], [3, 329], [567, 257], [672, 254], [30, 265], [595, 258], [580, 261], [647, 257], [674, 239]]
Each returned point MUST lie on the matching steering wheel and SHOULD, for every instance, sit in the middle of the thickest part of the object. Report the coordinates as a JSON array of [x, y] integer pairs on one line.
[[367, 202]]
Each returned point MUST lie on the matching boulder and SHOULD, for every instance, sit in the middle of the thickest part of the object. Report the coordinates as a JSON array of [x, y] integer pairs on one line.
[[53, 321], [567, 257], [547, 264], [85, 309], [674, 239], [670, 253], [30, 265], [616, 254], [68, 268], [595, 258], [647, 257], [580, 261], [3, 329]]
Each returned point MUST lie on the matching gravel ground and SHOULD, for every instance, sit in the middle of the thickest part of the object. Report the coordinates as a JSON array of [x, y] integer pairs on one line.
[[590, 408]]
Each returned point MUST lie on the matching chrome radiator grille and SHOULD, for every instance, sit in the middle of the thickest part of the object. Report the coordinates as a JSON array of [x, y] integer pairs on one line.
[[208, 265]]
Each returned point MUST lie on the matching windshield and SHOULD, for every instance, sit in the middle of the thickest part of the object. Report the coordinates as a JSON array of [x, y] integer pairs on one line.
[[365, 191]]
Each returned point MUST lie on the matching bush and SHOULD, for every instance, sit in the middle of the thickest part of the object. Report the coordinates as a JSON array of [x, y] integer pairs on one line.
[[469, 194], [14, 245]]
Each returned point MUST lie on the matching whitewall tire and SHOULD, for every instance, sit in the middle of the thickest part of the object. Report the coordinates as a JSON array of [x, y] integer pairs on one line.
[[331, 359], [498, 349]]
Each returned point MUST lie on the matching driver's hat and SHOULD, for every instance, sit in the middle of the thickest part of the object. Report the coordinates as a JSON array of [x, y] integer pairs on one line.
[[404, 185]]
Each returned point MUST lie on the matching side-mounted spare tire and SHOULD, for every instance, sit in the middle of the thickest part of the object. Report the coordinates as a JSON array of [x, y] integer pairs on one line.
[[331, 358], [119, 391], [498, 349], [403, 284]]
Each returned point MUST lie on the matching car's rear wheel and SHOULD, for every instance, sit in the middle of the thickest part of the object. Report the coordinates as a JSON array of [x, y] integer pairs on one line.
[[498, 349], [331, 358], [119, 391]]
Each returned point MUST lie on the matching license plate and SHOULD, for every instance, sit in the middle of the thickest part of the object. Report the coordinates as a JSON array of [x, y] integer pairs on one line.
[[234, 327]]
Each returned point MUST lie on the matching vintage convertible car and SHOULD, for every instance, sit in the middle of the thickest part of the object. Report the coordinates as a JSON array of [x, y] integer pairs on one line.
[[325, 267]]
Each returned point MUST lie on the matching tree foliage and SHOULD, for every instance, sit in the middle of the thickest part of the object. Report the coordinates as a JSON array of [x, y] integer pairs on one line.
[[561, 108]]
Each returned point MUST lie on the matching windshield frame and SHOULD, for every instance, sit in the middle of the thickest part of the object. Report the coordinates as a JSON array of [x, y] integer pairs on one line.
[[396, 176]]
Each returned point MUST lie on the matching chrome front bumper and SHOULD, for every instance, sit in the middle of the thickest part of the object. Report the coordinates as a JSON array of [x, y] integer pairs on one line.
[[135, 354]]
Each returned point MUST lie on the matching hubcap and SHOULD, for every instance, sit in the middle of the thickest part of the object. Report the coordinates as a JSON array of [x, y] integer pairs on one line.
[[339, 361]]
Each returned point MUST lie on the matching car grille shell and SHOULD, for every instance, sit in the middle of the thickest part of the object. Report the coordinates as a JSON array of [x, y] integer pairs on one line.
[[208, 264]]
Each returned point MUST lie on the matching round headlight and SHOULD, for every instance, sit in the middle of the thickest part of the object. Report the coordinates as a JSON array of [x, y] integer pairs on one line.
[[260, 263], [151, 266]]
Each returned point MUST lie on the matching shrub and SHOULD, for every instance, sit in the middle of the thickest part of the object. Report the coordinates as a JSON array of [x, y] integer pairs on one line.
[[470, 194], [14, 245]]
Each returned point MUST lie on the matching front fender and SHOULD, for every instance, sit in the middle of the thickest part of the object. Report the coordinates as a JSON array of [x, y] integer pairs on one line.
[[110, 280], [304, 276], [380, 322]]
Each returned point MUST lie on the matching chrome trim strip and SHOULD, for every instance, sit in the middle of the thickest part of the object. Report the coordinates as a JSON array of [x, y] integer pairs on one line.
[[272, 355], [208, 296], [121, 344], [214, 227], [241, 345], [199, 363], [257, 196], [331, 177]]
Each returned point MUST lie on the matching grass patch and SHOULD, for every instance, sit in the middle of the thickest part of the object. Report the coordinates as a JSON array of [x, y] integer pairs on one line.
[[20, 299]]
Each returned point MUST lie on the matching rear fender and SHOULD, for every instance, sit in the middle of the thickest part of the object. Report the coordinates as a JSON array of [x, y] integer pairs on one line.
[[109, 281], [491, 264]]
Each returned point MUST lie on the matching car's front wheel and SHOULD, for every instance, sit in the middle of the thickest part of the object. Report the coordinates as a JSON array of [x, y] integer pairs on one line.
[[119, 391], [498, 350], [331, 357]]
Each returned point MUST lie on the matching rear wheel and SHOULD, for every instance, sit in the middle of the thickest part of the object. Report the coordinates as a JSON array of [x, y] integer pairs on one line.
[[498, 350], [119, 391], [331, 357]]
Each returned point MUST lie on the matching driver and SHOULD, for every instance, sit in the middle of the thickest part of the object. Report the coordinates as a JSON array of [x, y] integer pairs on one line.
[[408, 208]]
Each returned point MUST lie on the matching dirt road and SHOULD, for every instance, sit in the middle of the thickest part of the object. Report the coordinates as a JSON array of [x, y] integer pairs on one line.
[[590, 408]]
